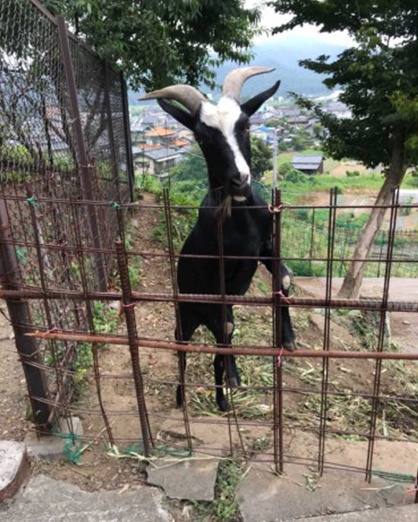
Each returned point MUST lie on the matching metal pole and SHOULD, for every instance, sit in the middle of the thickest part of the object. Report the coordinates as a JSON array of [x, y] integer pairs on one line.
[[274, 184], [133, 346], [128, 143], [312, 242], [20, 318], [83, 162]]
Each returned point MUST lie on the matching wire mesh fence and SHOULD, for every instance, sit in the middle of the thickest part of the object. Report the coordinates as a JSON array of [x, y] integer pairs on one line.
[[64, 136], [70, 261]]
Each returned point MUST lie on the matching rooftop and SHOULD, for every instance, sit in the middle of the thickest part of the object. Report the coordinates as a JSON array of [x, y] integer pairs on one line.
[[307, 159], [159, 131], [157, 154]]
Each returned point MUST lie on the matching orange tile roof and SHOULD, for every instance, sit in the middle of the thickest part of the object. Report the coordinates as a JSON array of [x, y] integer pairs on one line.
[[159, 131], [148, 146], [179, 143]]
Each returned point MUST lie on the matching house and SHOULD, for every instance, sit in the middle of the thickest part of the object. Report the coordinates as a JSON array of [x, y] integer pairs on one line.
[[264, 133], [150, 121], [159, 136], [299, 121], [155, 161], [290, 113], [256, 119], [339, 109], [183, 135], [309, 164]]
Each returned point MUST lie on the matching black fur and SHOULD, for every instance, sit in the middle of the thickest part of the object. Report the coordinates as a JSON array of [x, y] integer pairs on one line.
[[246, 233]]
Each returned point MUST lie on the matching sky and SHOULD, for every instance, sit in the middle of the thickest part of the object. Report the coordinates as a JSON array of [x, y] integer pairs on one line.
[[272, 19]]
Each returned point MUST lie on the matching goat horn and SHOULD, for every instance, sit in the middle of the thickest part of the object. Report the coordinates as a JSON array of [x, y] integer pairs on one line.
[[236, 79], [187, 95]]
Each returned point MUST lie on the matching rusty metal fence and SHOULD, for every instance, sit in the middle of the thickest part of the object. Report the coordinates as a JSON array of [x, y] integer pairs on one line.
[[66, 183], [64, 136]]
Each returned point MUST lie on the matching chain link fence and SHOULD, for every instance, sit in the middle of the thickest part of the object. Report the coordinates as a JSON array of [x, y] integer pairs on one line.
[[64, 136]]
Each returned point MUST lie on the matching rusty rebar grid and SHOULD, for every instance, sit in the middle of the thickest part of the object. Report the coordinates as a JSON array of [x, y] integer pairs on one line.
[[96, 362], [327, 330], [277, 335], [295, 302], [250, 350], [57, 256], [133, 346], [179, 331], [381, 335]]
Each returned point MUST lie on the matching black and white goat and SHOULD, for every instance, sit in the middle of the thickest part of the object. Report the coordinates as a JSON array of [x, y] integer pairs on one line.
[[222, 132]]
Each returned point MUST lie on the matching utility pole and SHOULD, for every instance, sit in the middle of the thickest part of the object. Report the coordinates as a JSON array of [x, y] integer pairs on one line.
[[274, 184]]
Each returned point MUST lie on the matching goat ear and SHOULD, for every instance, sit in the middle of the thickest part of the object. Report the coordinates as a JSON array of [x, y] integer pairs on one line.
[[252, 105], [178, 114]]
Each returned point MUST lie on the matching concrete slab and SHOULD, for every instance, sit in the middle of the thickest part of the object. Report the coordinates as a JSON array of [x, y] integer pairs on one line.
[[400, 514], [47, 500], [264, 497], [14, 468], [52, 447], [185, 479]]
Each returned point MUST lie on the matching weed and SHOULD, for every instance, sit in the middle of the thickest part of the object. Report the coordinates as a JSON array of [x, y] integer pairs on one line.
[[225, 506], [105, 319]]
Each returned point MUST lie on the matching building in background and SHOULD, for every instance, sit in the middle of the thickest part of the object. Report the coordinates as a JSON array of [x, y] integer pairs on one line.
[[309, 164]]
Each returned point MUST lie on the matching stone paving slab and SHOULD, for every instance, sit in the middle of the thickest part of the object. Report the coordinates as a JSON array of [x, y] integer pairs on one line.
[[48, 500], [185, 479], [14, 468], [264, 497], [399, 514]]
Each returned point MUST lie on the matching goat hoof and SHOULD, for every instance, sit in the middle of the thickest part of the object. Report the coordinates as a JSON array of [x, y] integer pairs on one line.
[[223, 405], [290, 346]]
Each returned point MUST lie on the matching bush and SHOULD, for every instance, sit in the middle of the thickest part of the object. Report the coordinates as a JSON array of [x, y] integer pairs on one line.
[[352, 173], [302, 214], [296, 176], [283, 146], [284, 168]]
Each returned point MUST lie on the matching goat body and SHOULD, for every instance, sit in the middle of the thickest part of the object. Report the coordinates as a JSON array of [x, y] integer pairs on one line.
[[246, 233]]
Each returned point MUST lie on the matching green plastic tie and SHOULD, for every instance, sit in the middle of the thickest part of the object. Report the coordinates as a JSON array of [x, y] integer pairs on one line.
[[72, 446], [394, 476], [115, 205], [31, 200]]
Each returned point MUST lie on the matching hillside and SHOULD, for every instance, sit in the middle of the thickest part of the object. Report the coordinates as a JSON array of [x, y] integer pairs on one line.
[[284, 55]]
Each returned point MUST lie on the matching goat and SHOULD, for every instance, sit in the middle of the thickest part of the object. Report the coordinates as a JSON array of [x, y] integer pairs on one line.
[[222, 133]]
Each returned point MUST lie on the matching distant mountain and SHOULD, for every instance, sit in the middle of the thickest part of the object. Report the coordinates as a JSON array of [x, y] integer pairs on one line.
[[283, 54]]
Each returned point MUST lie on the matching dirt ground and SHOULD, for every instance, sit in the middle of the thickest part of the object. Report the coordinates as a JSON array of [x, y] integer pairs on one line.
[[13, 399], [97, 469]]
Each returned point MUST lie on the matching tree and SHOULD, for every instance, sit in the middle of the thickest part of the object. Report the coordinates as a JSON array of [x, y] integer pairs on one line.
[[285, 168], [261, 157], [161, 42], [379, 78], [193, 168]]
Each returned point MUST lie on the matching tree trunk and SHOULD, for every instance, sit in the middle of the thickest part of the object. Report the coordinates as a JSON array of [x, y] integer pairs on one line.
[[352, 281]]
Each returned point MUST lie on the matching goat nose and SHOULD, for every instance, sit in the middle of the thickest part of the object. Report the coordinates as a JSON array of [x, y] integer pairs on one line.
[[245, 179]]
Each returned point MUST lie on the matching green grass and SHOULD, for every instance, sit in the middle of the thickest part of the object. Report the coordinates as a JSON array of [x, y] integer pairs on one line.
[[225, 506]]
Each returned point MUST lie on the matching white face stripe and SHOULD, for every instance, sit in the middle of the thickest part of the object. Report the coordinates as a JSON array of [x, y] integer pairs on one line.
[[224, 117]]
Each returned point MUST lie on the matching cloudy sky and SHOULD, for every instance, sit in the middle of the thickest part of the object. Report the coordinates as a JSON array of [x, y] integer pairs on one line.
[[271, 19]]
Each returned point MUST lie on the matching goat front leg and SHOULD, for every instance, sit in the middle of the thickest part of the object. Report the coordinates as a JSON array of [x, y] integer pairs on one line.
[[225, 364], [288, 335], [188, 326]]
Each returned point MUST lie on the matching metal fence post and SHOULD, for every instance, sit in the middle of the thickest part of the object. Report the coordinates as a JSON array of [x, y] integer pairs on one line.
[[20, 318], [128, 142], [83, 162], [113, 154]]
